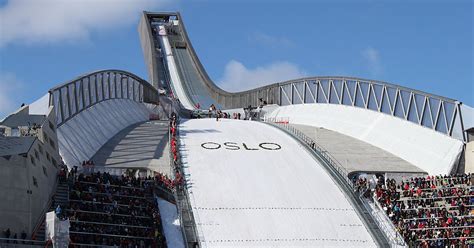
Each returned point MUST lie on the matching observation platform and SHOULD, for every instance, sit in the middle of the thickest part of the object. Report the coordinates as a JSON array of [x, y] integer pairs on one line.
[[251, 184], [141, 146], [356, 155]]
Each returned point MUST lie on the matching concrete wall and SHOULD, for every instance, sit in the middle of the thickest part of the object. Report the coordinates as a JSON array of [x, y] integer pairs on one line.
[[23, 202], [469, 156], [148, 49], [83, 135], [429, 150]]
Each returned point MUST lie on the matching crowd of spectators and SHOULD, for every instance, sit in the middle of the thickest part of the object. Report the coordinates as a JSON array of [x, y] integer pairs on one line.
[[109, 210], [432, 211], [178, 180], [167, 183], [88, 166], [14, 238], [250, 112]]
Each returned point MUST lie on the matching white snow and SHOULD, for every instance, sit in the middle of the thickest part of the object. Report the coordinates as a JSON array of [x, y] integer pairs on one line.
[[40, 106], [423, 147], [171, 225], [263, 198], [174, 75]]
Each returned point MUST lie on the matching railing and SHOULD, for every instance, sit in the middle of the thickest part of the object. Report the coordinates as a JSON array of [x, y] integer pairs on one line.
[[471, 238], [113, 185], [386, 225], [11, 242], [433, 198], [435, 218], [442, 228], [439, 187], [284, 122], [105, 213], [109, 224], [183, 203], [448, 207], [116, 195], [72, 244], [42, 217], [382, 221], [71, 98], [106, 203], [110, 235]]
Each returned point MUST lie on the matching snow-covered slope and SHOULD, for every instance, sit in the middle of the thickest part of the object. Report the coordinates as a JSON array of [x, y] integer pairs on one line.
[[252, 185]]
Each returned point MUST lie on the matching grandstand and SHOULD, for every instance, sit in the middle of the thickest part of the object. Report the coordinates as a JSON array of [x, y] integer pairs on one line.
[[110, 159]]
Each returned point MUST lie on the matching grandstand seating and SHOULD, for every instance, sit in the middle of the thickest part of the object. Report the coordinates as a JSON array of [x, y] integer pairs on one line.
[[427, 211], [106, 210]]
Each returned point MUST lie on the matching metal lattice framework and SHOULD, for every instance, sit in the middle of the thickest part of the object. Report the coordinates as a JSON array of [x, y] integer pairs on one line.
[[435, 112], [73, 97], [438, 113]]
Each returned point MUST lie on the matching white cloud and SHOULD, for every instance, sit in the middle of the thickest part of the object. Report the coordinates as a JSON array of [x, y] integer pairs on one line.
[[45, 21], [237, 77], [372, 57], [10, 89], [269, 40]]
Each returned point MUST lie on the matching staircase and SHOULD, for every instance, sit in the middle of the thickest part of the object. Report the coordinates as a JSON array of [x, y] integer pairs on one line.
[[61, 197]]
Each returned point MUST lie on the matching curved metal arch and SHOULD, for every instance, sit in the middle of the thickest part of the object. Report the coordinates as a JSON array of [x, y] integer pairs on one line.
[[83, 92], [438, 113]]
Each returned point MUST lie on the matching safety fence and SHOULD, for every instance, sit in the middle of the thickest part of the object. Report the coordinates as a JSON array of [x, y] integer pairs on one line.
[[181, 193]]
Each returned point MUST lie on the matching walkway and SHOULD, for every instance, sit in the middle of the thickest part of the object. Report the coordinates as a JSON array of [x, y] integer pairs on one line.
[[356, 155], [144, 145]]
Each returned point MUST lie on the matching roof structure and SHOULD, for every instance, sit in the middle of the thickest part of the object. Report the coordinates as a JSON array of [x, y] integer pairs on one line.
[[134, 147], [15, 145], [17, 120]]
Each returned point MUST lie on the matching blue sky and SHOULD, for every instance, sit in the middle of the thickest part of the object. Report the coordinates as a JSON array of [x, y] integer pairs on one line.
[[426, 45]]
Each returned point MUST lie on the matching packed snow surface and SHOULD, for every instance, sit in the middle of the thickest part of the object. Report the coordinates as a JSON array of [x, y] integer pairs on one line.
[[252, 185], [171, 224]]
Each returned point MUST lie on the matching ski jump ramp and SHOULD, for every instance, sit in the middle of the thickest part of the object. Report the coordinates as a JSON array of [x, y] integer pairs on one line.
[[252, 185], [425, 130]]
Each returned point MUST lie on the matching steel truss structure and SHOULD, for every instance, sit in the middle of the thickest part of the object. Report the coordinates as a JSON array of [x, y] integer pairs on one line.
[[435, 112], [438, 113], [75, 96]]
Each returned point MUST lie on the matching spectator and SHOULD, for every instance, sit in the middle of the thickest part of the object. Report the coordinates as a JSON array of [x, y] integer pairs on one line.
[[23, 236], [7, 234], [15, 238], [58, 211]]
